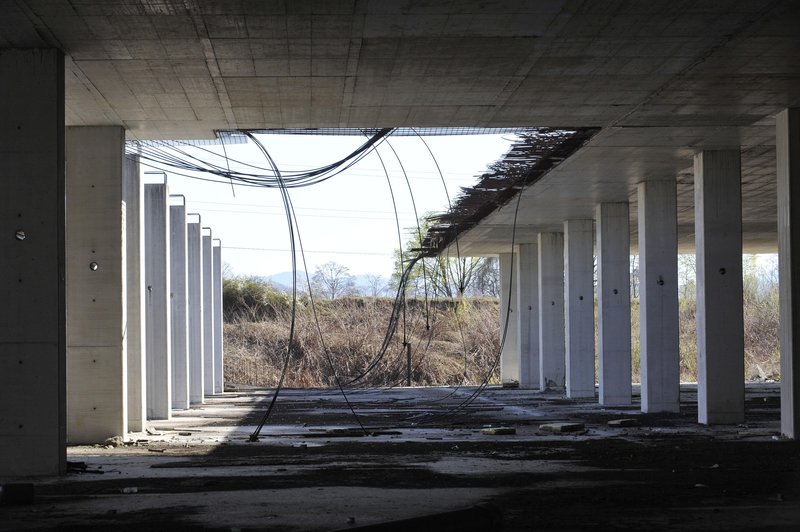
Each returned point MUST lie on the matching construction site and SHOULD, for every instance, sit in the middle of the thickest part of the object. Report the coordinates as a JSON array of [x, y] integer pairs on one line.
[[649, 129]]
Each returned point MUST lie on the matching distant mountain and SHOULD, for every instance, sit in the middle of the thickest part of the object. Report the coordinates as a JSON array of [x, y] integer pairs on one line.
[[283, 280]]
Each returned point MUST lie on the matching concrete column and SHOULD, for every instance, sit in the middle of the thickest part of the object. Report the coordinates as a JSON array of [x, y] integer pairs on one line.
[[179, 300], [509, 356], [208, 315], [720, 324], [614, 303], [219, 380], [134, 245], [157, 304], [527, 279], [551, 311], [788, 170], [97, 380], [32, 316], [194, 263], [579, 307], [659, 365]]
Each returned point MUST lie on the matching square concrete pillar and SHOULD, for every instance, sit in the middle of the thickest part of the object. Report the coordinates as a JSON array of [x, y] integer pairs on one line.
[[208, 314], [579, 307], [97, 380], [509, 354], [179, 301], [659, 365], [720, 323], [614, 303], [219, 380], [157, 303], [194, 267], [552, 369], [527, 278], [135, 324], [788, 169], [32, 264]]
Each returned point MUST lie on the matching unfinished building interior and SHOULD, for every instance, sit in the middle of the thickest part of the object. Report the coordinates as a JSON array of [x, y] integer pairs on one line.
[[679, 126]]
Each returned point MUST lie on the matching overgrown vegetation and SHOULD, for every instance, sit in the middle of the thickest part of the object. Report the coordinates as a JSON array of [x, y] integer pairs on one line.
[[453, 341], [456, 344]]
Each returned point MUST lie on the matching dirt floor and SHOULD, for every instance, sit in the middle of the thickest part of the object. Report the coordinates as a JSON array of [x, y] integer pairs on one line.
[[314, 468]]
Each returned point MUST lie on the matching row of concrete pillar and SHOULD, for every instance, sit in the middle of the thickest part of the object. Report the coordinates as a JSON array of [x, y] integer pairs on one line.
[[547, 303], [143, 294]]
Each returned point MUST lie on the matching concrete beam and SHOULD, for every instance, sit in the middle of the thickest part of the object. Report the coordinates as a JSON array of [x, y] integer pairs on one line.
[[579, 307], [720, 324], [97, 380], [219, 374], [135, 323], [788, 170], [659, 365], [509, 355], [179, 301], [194, 263], [527, 277], [208, 314], [157, 304], [552, 370], [32, 316], [614, 303]]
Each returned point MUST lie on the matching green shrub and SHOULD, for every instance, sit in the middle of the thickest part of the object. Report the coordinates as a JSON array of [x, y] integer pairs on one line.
[[252, 299]]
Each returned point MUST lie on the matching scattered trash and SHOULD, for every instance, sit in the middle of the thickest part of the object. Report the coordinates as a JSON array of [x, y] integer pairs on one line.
[[454, 448], [499, 431], [116, 441], [152, 432], [81, 467]]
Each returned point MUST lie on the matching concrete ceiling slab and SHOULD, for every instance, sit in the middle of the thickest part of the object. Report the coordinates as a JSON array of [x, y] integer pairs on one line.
[[662, 78]]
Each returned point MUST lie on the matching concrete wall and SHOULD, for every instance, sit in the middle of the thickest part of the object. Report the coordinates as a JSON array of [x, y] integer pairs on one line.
[[179, 301], [219, 380], [552, 368], [194, 262], [157, 305], [208, 315], [97, 402], [527, 279], [32, 316], [134, 242], [509, 341]]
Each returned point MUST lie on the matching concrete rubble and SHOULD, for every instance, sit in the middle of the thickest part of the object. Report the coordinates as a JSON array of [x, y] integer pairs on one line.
[[313, 467]]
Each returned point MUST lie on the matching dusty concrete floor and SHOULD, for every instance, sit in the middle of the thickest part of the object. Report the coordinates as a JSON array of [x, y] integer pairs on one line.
[[314, 469]]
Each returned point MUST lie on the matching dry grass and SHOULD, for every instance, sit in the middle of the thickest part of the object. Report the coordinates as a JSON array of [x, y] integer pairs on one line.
[[456, 343], [451, 344]]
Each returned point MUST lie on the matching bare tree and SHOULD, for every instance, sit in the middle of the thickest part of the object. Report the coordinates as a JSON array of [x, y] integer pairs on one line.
[[634, 276], [376, 285], [332, 280], [486, 281]]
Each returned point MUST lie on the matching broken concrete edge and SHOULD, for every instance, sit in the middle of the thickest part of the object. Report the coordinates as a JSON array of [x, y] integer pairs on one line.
[[624, 422], [562, 428], [498, 431]]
